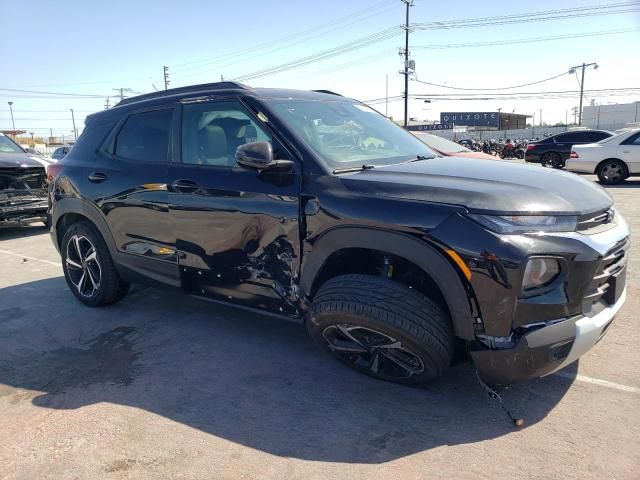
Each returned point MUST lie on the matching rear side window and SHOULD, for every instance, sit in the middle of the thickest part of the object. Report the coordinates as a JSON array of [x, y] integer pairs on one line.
[[632, 140], [596, 136], [144, 137], [570, 138]]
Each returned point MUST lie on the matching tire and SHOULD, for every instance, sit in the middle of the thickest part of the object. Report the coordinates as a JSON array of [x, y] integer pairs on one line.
[[382, 328], [612, 172], [88, 267], [552, 160]]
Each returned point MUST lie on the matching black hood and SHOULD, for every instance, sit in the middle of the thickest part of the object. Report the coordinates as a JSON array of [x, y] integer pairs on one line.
[[8, 160], [483, 186]]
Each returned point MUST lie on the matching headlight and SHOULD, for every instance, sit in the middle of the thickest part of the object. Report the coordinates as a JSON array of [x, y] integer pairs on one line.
[[540, 272], [527, 223]]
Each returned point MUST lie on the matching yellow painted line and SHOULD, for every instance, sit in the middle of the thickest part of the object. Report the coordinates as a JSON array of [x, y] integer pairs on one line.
[[459, 262]]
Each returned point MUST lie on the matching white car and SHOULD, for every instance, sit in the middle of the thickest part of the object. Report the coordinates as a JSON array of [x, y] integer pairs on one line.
[[612, 159]]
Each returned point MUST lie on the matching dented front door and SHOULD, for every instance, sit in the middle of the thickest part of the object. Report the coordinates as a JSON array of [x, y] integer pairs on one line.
[[236, 230]]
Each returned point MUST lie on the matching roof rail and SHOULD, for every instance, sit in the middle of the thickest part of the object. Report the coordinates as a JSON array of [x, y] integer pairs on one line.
[[190, 88], [327, 91]]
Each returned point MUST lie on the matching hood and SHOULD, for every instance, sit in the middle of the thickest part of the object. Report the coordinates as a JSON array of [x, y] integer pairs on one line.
[[483, 186], [8, 160], [479, 155]]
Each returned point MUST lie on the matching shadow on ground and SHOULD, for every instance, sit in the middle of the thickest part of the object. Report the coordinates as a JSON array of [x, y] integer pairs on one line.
[[249, 379], [11, 232]]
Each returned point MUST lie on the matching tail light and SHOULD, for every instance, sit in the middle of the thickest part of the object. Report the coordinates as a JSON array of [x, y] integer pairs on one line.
[[530, 147], [573, 154], [53, 169]]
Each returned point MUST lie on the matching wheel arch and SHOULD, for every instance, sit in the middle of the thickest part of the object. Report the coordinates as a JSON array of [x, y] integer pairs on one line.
[[424, 256], [70, 210]]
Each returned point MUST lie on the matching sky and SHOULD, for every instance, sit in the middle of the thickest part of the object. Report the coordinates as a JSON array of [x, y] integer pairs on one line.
[[93, 48]]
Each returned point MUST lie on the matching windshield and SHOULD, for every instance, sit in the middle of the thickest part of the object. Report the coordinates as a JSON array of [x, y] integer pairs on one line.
[[7, 146], [441, 144], [345, 133]]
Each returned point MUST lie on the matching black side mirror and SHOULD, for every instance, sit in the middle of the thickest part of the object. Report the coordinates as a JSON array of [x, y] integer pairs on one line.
[[259, 156]]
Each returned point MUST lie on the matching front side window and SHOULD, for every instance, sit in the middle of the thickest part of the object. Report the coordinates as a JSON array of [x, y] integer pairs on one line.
[[144, 137], [344, 133], [211, 132]]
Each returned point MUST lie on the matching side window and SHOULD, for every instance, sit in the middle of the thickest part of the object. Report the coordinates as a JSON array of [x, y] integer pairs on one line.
[[632, 140], [144, 137], [596, 136], [211, 132], [568, 138]]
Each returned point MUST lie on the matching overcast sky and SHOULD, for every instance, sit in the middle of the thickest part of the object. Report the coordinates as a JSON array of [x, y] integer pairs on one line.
[[92, 48]]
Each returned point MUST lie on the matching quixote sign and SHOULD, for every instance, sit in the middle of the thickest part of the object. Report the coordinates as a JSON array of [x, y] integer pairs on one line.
[[471, 119], [435, 126]]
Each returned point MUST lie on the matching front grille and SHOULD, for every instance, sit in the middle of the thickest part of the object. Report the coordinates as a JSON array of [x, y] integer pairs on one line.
[[22, 178], [610, 271], [598, 221]]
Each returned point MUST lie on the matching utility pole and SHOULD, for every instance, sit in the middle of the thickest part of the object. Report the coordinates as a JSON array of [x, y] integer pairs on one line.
[[75, 132], [540, 117], [408, 4], [13, 124], [165, 71], [584, 66], [106, 103], [386, 101], [121, 91]]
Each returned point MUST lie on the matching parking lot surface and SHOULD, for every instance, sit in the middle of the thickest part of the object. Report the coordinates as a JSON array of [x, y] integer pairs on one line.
[[165, 386]]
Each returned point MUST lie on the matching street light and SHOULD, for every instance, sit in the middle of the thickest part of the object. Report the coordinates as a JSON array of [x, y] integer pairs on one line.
[[13, 125], [573, 70]]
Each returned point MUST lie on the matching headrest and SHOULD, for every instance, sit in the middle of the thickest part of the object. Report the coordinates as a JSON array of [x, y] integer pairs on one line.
[[213, 141]]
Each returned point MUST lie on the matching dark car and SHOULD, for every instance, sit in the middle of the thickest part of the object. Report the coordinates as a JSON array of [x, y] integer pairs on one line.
[[60, 152], [315, 208], [554, 151], [23, 187]]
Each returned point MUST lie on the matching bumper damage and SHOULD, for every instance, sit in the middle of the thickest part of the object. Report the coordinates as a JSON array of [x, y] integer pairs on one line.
[[547, 349]]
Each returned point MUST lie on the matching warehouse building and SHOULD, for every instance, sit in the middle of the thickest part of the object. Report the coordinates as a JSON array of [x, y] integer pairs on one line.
[[485, 120], [610, 116]]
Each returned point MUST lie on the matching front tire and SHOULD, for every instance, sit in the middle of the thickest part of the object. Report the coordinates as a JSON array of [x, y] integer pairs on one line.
[[382, 328], [552, 160], [611, 172], [88, 267]]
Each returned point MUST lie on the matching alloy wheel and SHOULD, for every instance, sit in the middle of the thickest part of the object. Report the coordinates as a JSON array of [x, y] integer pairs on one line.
[[369, 350], [83, 266], [612, 172]]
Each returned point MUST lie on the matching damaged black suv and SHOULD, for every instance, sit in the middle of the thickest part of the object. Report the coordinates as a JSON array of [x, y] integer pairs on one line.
[[23, 185], [313, 207]]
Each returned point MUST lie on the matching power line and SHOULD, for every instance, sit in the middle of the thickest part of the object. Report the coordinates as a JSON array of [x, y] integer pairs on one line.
[[497, 88], [62, 94], [522, 40]]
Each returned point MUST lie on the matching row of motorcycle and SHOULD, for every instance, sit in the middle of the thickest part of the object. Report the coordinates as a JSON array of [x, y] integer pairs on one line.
[[503, 148]]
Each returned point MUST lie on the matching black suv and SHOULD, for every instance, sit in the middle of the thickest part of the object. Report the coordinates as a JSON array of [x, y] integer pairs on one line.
[[313, 207], [554, 151]]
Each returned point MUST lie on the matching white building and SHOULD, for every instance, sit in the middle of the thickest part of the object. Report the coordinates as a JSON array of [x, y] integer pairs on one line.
[[610, 117]]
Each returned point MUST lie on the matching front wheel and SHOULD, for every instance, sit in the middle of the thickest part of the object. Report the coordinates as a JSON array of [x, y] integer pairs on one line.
[[611, 172], [88, 267], [552, 160], [382, 328]]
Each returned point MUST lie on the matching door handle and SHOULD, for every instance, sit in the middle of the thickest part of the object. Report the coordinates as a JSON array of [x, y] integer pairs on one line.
[[184, 186], [625, 151], [97, 177]]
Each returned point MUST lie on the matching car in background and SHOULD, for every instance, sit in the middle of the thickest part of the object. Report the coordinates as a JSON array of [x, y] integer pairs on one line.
[[448, 148], [613, 159], [554, 151], [23, 185], [60, 152]]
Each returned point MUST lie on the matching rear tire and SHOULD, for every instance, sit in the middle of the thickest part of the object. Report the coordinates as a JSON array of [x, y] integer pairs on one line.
[[552, 160], [612, 172], [382, 328], [88, 268]]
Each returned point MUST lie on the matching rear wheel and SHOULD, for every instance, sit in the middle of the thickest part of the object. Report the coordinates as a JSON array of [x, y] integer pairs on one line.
[[88, 267], [552, 160], [382, 328], [612, 172]]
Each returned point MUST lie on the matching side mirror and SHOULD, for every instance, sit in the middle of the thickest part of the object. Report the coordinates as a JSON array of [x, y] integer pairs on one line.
[[259, 156]]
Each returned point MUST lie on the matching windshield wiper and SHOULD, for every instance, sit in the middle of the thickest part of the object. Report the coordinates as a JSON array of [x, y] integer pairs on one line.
[[421, 157], [353, 169]]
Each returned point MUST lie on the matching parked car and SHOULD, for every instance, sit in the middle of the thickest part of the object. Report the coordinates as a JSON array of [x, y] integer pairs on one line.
[[60, 152], [553, 151], [23, 189], [448, 148], [612, 159], [315, 208]]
